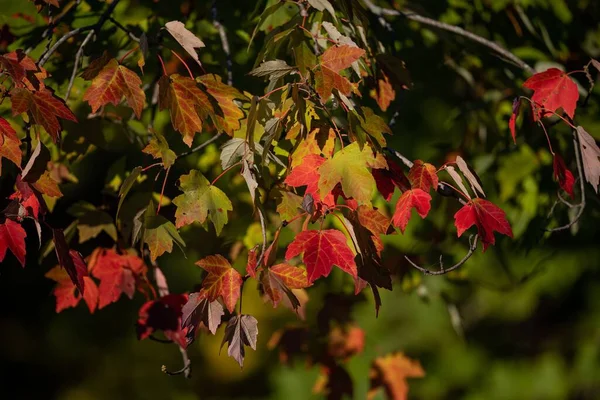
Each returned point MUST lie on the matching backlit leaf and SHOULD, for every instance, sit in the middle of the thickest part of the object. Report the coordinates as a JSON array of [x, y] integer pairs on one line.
[[185, 38], [486, 216], [414, 198], [553, 89], [222, 281], [590, 154], [241, 330], [12, 236]]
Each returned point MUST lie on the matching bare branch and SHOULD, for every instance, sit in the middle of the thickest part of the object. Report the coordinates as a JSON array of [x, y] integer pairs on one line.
[[381, 12], [187, 366], [472, 247], [200, 146], [77, 60]]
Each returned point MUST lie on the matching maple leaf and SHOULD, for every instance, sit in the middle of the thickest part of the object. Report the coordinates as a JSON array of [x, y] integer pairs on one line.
[[199, 201], [391, 372], [349, 167], [423, 176], [159, 234], [47, 185], [553, 89], [187, 104], [333, 60], [29, 198], [43, 107], [486, 216], [306, 174], [12, 236], [70, 260], [389, 179], [289, 206], [112, 83], [278, 281], [252, 263], [118, 274], [377, 223], [6, 130], [66, 293], [373, 125], [590, 154], [23, 70], [322, 250], [228, 115], [162, 314], [345, 342], [414, 198], [241, 330], [199, 309], [185, 38], [11, 150], [159, 148], [565, 178], [94, 68], [222, 280], [385, 93]]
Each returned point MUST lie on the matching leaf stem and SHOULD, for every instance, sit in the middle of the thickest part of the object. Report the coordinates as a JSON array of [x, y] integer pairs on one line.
[[162, 191], [237, 164], [162, 64], [184, 63]]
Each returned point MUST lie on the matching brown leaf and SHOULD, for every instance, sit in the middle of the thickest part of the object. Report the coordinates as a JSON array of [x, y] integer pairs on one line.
[[185, 38], [241, 330], [590, 157]]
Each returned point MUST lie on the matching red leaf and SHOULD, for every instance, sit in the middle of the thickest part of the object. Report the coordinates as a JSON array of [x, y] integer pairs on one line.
[[322, 250], [486, 216], [553, 89], [252, 262], [388, 179], [66, 293], [306, 174], [565, 178], [70, 260], [44, 108], [513, 118], [118, 274], [6, 130], [341, 57], [222, 280], [163, 314], [29, 198], [12, 236], [414, 198]]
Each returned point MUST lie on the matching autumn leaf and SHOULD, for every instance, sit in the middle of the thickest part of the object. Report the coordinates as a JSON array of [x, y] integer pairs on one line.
[[185, 38], [187, 104], [94, 68], [159, 148], [11, 150], [228, 115], [373, 125], [390, 372], [349, 167], [389, 179], [7, 131], [118, 274], [553, 89], [322, 250], [423, 176], [590, 154], [486, 216], [199, 201], [47, 185], [414, 198], [333, 60], [162, 314], [307, 174], [385, 93], [70, 260], [222, 281], [12, 236], [66, 293], [241, 331], [199, 309], [289, 206], [565, 178], [159, 235], [43, 107], [112, 83], [278, 280], [513, 118]]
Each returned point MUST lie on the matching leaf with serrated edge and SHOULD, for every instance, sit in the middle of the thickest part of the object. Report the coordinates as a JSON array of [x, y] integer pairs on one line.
[[486, 216], [185, 38], [222, 280], [414, 198], [590, 154], [241, 330]]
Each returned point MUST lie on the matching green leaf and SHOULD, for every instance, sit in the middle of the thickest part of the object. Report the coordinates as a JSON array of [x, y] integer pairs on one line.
[[159, 148], [199, 201], [126, 187], [160, 233], [91, 221]]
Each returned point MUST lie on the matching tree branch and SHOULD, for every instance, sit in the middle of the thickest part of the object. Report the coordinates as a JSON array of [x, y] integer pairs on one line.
[[224, 42], [442, 271], [381, 12], [200, 146], [187, 366]]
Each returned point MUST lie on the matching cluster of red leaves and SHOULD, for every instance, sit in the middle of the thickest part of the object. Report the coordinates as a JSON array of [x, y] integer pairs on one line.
[[118, 274]]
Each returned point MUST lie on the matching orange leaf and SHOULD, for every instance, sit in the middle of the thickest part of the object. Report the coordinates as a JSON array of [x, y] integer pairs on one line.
[[423, 176], [227, 117], [326, 80], [10, 149], [222, 280], [112, 83], [338, 58], [187, 104], [385, 93], [391, 372]]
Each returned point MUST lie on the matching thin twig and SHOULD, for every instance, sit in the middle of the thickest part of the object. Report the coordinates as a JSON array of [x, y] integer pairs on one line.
[[60, 41], [129, 33], [380, 11], [442, 271], [224, 42], [200, 146], [187, 366], [77, 60], [582, 203]]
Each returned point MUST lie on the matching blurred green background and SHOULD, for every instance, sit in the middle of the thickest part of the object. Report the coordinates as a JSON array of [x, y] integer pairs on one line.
[[521, 321]]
